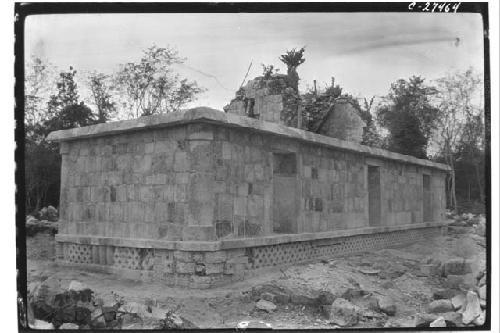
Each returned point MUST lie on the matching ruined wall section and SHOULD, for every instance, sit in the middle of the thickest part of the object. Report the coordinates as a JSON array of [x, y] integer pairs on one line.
[[269, 99], [343, 122]]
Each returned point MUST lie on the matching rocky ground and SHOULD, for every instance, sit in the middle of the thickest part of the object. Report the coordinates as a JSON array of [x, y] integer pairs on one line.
[[439, 282]]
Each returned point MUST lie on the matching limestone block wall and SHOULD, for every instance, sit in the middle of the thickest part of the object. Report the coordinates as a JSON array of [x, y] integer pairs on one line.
[[244, 190], [333, 190], [332, 187], [155, 184], [402, 193], [202, 182]]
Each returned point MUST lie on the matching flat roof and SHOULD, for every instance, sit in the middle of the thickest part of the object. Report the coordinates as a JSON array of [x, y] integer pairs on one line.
[[209, 115]]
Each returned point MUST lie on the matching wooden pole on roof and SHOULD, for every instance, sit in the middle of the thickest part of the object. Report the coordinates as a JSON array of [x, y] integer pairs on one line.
[[299, 115]]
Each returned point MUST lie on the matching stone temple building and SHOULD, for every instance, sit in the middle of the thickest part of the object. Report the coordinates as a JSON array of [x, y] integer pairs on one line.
[[203, 198]]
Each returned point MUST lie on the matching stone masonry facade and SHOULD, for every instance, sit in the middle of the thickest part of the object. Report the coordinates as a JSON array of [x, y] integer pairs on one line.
[[193, 199], [206, 269]]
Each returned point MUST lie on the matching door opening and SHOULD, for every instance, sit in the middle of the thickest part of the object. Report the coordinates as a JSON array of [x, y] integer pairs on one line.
[[284, 193], [374, 195], [427, 198]]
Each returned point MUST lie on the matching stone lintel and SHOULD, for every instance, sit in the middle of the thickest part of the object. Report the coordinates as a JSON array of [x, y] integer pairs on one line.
[[204, 114], [235, 243]]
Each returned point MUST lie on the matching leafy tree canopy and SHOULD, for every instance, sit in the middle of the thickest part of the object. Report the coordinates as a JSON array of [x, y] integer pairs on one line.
[[100, 89], [151, 86], [409, 116]]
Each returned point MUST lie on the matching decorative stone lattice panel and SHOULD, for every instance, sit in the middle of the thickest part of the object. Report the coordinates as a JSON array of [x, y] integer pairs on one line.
[[147, 259], [282, 254], [78, 253], [127, 257], [163, 265]]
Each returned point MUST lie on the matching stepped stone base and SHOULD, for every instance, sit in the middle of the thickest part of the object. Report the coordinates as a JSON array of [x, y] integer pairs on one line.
[[210, 264]]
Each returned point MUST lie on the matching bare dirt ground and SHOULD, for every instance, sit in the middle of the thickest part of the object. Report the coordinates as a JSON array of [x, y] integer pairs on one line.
[[393, 272]]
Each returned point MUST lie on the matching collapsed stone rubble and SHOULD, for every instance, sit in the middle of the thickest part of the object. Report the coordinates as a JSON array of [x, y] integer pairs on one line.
[[77, 307]]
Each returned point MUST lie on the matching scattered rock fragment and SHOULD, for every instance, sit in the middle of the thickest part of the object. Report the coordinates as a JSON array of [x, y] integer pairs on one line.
[[47, 290], [351, 293], [457, 267], [393, 271], [482, 281], [482, 292], [265, 305], [108, 301], [387, 285], [440, 306], [150, 302], [472, 309], [439, 322], [98, 318], [454, 281], [253, 324], [267, 297], [479, 321], [387, 305], [481, 226], [371, 314], [371, 272], [69, 326], [424, 319], [42, 325], [325, 297], [281, 295], [453, 319], [136, 308], [459, 302], [430, 269], [77, 286], [344, 313]]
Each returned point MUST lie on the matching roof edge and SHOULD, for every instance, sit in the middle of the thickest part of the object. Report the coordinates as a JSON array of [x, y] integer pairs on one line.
[[231, 120]]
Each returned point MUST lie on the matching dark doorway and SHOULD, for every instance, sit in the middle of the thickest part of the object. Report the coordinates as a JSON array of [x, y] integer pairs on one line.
[[374, 195], [284, 193], [427, 198]]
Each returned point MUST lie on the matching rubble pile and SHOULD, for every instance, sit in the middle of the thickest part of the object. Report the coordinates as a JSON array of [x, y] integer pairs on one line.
[[50, 306], [468, 220], [35, 226], [440, 282], [42, 221]]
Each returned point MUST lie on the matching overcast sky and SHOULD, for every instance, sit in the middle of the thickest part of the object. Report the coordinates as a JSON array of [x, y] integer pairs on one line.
[[365, 52]]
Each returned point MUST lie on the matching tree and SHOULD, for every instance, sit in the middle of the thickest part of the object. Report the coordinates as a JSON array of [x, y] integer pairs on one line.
[[409, 116], [150, 86], [316, 101], [460, 126], [74, 115], [471, 150], [39, 83], [371, 137], [42, 175], [101, 94], [42, 159], [268, 71], [293, 59], [67, 93]]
